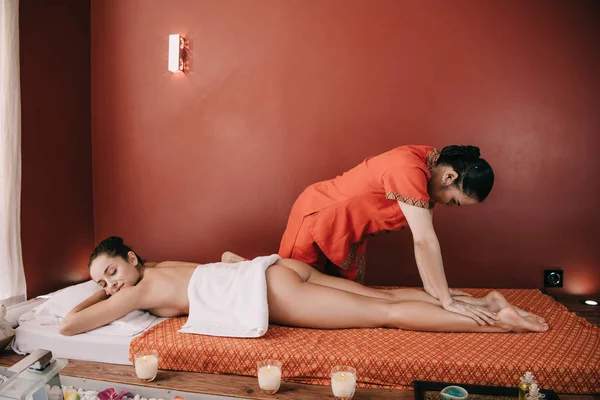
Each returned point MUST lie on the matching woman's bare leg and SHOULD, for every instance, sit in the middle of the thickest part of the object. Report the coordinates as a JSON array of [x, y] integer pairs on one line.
[[494, 301], [295, 302], [310, 274]]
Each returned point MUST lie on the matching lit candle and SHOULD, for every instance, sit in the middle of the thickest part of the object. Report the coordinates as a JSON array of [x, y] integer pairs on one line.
[[146, 365], [269, 376], [343, 382]]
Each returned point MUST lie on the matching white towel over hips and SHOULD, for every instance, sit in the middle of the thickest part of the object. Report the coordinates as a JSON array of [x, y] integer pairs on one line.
[[229, 299]]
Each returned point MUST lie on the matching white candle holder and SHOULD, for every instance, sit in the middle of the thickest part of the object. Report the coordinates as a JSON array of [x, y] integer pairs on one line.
[[146, 364], [343, 382], [269, 375]]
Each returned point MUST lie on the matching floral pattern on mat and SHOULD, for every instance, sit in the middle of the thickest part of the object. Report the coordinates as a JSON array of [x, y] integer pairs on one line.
[[565, 359]]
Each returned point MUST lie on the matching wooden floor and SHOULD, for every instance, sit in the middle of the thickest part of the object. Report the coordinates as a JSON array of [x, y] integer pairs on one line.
[[222, 385], [247, 387]]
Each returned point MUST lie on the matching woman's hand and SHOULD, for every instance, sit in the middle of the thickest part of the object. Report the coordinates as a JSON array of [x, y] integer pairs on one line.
[[458, 292], [481, 315]]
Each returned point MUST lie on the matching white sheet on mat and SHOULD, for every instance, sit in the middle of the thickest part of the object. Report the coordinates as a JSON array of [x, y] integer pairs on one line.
[[63, 301], [38, 329], [229, 299], [87, 346]]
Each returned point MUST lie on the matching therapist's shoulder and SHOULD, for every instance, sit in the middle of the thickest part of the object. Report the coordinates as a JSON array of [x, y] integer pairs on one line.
[[417, 156]]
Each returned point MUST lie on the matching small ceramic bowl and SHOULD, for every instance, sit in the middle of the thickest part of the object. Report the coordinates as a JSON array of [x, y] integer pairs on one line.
[[454, 393]]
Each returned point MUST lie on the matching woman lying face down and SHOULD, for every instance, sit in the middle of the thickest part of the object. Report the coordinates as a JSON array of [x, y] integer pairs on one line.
[[297, 295]]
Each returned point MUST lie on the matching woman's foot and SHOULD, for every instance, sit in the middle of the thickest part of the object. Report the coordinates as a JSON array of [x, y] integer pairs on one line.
[[497, 302], [229, 257], [515, 322]]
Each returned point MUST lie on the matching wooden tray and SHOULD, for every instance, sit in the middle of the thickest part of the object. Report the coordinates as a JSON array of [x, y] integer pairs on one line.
[[431, 391]]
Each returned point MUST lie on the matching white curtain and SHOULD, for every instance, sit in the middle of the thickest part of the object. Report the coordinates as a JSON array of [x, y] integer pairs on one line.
[[12, 275]]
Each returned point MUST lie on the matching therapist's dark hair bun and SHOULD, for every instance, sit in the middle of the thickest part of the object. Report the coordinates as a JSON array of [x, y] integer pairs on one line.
[[475, 175]]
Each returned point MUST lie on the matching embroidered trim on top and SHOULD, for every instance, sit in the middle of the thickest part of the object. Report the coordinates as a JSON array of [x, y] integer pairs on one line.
[[361, 266], [352, 254], [359, 259], [410, 200], [432, 158]]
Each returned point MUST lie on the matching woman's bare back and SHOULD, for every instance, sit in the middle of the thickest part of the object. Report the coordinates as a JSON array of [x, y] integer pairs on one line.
[[164, 288]]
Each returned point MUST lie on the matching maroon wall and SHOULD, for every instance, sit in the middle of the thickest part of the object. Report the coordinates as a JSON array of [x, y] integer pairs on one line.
[[285, 93], [56, 215]]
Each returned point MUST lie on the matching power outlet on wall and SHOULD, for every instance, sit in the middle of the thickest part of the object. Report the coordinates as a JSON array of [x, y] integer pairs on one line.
[[553, 278]]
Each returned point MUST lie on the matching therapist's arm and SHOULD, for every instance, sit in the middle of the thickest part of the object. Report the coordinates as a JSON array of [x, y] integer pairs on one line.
[[428, 256], [428, 253]]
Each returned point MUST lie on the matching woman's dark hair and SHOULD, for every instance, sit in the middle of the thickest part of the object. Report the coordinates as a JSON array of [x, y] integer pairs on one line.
[[113, 247], [474, 173]]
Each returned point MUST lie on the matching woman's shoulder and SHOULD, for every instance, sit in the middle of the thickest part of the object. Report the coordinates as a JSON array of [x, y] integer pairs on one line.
[[167, 271]]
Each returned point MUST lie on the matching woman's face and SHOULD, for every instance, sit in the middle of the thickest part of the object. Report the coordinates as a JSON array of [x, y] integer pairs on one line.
[[115, 273]]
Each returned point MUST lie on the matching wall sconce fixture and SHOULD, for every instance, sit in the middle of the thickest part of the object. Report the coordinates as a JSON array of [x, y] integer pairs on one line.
[[590, 302], [178, 53]]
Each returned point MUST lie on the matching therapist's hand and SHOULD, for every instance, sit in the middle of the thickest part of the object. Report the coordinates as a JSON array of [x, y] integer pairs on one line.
[[458, 292], [481, 315]]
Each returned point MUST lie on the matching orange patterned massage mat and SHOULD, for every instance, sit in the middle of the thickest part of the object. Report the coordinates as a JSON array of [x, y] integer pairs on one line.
[[565, 359]]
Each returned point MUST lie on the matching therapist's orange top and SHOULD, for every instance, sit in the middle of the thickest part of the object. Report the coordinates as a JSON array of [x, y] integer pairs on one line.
[[331, 220]]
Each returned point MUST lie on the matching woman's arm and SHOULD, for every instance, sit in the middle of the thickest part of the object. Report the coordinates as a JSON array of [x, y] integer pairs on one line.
[[100, 295], [428, 255], [99, 310]]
